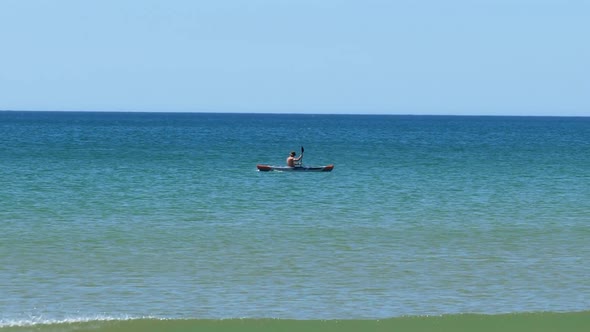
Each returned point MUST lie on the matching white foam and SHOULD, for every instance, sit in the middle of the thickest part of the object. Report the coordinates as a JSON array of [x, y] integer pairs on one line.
[[33, 321]]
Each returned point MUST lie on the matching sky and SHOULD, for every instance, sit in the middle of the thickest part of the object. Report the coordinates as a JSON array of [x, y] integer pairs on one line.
[[461, 57]]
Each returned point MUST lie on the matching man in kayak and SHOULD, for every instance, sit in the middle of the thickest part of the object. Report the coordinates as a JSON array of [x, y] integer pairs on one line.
[[292, 161]]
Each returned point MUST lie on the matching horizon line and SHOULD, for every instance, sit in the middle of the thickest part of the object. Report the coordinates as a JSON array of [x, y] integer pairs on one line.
[[291, 113]]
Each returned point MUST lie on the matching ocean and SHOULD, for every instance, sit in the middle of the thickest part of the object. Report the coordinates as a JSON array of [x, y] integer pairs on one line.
[[161, 222]]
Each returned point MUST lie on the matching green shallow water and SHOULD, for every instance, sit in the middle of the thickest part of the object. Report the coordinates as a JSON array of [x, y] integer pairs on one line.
[[534, 322]]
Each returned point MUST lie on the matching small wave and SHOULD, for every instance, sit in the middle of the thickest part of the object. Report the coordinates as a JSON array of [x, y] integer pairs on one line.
[[40, 320]]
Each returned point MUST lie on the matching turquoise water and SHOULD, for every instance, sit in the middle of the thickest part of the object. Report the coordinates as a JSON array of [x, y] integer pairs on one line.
[[164, 216]]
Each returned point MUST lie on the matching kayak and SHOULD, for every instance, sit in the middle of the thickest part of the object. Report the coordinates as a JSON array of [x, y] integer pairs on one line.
[[266, 168]]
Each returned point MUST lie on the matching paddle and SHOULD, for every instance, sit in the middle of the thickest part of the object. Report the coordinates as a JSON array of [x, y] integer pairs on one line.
[[301, 160]]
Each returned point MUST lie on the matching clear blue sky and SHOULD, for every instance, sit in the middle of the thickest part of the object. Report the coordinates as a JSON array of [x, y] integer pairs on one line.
[[514, 57]]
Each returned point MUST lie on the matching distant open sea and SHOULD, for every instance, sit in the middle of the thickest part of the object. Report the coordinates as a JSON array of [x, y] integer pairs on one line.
[[161, 222]]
